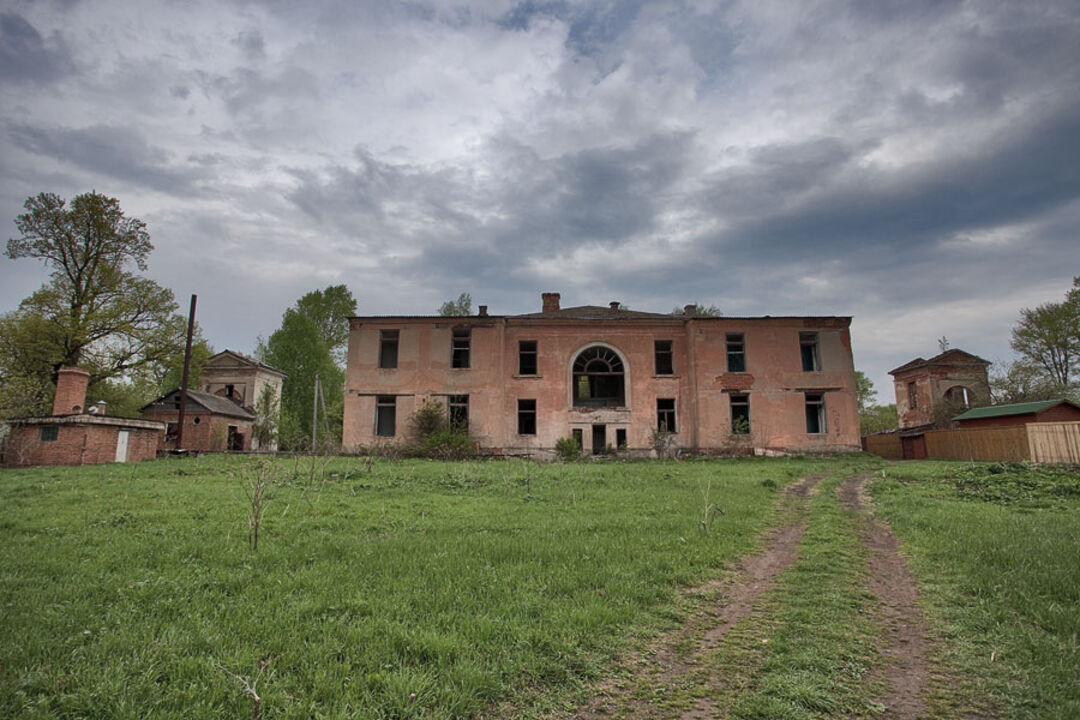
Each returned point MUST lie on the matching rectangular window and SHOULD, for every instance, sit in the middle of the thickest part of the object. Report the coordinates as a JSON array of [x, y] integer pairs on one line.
[[170, 431], [736, 353], [620, 438], [458, 406], [665, 415], [49, 433], [912, 396], [526, 417], [388, 344], [740, 414], [808, 343], [527, 357], [815, 413], [665, 358], [385, 415], [459, 347], [579, 437]]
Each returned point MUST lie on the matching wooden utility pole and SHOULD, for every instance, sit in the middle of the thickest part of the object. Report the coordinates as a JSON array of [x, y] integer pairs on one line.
[[184, 379], [315, 415]]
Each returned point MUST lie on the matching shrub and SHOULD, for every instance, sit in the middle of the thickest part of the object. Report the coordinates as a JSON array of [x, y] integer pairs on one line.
[[428, 420], [448, 444], [567, 448]]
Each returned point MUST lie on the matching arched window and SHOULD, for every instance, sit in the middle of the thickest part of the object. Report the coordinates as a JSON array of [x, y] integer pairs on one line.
[[958, 396], [599, 378]]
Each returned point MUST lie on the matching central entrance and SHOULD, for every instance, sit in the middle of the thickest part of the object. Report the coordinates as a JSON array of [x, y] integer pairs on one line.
[[599, 439]]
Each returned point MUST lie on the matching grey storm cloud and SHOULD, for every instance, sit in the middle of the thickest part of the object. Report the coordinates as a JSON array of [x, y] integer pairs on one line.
[[25, 56], [116, 152]]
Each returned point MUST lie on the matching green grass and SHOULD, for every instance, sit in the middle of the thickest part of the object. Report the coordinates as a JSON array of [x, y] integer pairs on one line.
[[409, 589], [997, 551]]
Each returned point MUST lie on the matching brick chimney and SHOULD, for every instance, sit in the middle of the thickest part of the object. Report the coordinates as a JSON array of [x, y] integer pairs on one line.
[[483, 311], [551, 302], [70, 395], [690, 310], [614, 304]]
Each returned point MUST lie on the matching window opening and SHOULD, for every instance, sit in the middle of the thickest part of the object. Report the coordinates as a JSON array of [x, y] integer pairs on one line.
[[388, 347], [913, 396], [665, 415], [526, 417], [385, 415], [49, 433], [815, 413], [171, 431], [598, 378], [620, 438], [665, 358], [808, 343], [229, 391], [579, 437], [527, 357], [958, 396], [459, 411], [459, 347], [740, 414], [736, 353]]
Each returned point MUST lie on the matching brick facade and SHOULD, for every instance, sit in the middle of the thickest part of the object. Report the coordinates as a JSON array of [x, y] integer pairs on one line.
[[700, 387], [930, 392], [80, 440]]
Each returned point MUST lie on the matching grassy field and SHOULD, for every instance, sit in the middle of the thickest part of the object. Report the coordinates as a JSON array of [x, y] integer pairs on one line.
[[996, 548], [391, 589], [418, 589]]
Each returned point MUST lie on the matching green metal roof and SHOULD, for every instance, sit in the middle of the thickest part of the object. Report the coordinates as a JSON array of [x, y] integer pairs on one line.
[[1027, 408]]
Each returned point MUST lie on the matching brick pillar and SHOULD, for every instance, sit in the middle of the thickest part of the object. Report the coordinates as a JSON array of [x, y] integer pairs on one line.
[[70, 395], [551, 302]]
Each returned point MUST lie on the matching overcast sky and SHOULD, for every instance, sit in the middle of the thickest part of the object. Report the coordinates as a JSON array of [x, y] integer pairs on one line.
[[912, 163]]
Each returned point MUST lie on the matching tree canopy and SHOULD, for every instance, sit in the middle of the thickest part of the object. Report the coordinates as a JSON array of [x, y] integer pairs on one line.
[[1047, 338], [462, 307], [94, 311], [330, 310]]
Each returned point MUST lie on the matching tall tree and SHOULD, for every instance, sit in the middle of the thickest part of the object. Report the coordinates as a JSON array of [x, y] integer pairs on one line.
[[330, 310], [100, 315], [462, 307], [1048, 336], [865, 394]]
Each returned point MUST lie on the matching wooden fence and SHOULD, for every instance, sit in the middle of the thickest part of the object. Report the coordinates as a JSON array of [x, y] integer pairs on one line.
[[995, 443], [1057, 442]]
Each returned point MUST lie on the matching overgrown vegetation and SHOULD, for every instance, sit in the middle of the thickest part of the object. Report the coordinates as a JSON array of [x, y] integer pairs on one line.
[[408, 589], [995, 548], [568, 448], [433, 436]]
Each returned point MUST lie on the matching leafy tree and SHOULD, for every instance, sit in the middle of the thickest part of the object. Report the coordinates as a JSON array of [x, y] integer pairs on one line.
[[462, 307], [265, 429], [1048, 337], [299, 349], [864, 391], [1021, 381], [700, 310], [330, 310], [878, 418]]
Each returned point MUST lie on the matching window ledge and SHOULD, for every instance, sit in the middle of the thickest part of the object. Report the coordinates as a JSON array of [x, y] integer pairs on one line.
[[526, 377], [666, 377]]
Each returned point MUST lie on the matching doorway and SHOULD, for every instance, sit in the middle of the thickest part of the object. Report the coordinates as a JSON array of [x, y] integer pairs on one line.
[[599, 439]]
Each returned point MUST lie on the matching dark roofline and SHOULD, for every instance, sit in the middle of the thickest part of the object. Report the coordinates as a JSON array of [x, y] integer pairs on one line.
[[248, 359], [1013, 409], [201, 398], [614, 315], [937, 360]]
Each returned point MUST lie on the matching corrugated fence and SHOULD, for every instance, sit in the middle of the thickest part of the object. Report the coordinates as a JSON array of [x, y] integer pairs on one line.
[[1057, 442]]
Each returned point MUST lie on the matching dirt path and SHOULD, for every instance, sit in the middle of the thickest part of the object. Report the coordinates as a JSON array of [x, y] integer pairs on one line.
[[904, 644], [753, 576]]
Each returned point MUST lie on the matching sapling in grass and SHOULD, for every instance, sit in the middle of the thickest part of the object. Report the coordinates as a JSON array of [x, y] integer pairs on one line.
[[256, 485]]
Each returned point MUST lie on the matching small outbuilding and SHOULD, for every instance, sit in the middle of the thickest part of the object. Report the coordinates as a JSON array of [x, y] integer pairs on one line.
[[73, 435], [212, 423], [1019, 414]]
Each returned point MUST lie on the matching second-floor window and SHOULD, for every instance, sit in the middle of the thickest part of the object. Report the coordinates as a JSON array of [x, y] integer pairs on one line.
[[736, 353], [388, 344], [808, 344], [459, 347], [912, 395], [527, 357], [665, 357]]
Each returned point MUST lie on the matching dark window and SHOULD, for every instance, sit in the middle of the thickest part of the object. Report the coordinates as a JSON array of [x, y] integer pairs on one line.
[[230, 390], [388, 344], [526, 417], [598, 378], [459, 411], [815, 413], [665, 359], [620, 438], [459, 347], [665, 414], [740, 414], [49, 433], [579, 437], [599, 439], [170, 431], [385, 415], [736, 353], [808, 343], [527, 357], [912, 395]]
